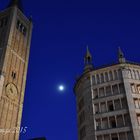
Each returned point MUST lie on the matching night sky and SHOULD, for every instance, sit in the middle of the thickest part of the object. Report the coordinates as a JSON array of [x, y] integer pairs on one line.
[[62, 30]]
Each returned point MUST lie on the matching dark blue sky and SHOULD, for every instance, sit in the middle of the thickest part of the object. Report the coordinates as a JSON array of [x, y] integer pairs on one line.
[[62, 29]]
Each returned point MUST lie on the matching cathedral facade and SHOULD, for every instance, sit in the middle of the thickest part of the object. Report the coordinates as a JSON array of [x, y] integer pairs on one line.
[[15, 38], [108, 100]]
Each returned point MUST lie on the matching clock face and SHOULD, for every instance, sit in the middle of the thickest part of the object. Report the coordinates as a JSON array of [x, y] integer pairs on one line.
[[11, 91]]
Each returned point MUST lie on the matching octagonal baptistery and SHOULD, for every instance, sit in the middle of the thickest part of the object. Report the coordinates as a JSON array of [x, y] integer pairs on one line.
[[108, 101]]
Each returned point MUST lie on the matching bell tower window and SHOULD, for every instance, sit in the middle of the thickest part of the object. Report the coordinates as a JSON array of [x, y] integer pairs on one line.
[[3, 22], [20, 27]]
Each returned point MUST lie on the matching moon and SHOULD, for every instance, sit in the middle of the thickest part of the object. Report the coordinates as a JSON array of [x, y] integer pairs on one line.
[[61, 88]]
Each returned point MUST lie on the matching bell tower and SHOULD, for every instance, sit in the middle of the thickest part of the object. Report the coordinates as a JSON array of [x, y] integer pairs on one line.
[[15, 38]]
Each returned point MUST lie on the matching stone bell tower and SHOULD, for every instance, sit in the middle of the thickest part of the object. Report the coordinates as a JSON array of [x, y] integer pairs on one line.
[[15, 38]]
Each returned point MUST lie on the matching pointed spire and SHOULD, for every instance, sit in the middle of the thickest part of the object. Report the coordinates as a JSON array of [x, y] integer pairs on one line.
[[88, 52], [15, 3], [121, 56], [88, 60]]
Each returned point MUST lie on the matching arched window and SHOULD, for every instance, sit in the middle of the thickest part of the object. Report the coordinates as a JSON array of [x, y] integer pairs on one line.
[[138, 74], [132, 73], [102, 78], [115, 75], [106, 77], [110, 75], [120, 74], [93, 80], [135, 76], [98, 78]]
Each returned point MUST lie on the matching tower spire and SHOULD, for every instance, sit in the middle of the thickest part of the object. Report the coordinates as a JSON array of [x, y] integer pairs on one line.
[[88, 60], [15, 3], [121, 56]]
